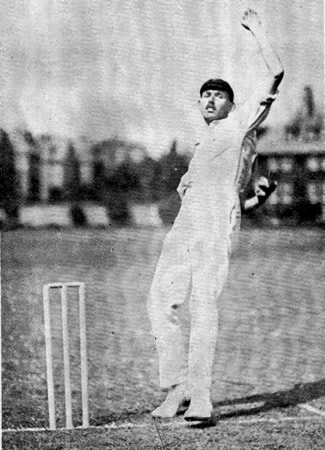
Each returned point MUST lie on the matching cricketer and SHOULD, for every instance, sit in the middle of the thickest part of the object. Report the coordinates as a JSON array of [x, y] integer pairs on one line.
[[195, 255]]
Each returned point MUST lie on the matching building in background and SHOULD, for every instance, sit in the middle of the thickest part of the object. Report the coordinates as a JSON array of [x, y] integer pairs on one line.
[[295, 157], [308, 123], [300, 173], [114, 173], [53, 168]]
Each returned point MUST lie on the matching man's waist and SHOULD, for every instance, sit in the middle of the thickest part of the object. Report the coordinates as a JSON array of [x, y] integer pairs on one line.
[[213, 189]]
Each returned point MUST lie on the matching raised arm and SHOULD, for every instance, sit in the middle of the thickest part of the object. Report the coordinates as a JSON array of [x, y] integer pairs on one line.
[[252, 22]]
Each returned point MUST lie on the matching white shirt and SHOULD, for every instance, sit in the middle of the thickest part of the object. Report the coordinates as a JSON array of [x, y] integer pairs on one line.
[[223, 159]]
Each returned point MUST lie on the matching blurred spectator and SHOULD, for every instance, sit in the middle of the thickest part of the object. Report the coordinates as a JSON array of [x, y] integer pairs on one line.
[[121, 185], [78, 216]]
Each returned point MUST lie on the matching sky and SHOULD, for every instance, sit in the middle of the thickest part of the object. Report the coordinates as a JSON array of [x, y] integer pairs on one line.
[[133, 68]]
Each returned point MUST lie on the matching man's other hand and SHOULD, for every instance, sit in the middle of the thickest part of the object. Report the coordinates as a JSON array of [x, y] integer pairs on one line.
[[264, 189], [183, 186]]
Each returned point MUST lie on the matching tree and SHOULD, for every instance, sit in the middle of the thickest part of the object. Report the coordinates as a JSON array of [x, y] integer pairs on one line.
[[9, 185], [121, 185], [72, 175], [34, 172], [149, 175]]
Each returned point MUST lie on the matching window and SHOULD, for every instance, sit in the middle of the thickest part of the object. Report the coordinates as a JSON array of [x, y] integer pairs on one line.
[[313, 164], [286, 165], [285, 193], [313, 192], [272, 165]]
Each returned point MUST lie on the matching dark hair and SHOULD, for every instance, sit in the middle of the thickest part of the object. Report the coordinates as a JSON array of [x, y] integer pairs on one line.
[[218, 84]]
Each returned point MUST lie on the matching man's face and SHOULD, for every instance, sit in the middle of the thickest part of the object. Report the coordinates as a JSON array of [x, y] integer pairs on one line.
[[215, 105]]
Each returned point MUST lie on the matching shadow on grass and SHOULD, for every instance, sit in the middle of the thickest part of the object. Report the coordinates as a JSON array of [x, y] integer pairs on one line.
[[300, 393]]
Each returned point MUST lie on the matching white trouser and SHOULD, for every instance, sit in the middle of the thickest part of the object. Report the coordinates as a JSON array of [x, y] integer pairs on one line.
[[194, 261]]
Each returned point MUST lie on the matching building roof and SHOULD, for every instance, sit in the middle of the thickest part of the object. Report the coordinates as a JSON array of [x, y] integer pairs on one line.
[[274, 142]]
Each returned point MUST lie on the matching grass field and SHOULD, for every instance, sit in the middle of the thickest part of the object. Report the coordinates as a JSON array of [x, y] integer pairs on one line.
[[270, 356]]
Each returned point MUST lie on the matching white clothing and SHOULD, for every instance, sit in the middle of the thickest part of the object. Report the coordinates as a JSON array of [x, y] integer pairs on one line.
[[195, 255]]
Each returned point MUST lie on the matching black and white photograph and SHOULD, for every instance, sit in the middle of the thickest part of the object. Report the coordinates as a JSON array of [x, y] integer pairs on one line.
[[162, 219]]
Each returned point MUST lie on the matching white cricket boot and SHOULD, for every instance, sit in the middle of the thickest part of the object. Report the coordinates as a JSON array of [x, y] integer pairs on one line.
[[200, 408], [175, 399]]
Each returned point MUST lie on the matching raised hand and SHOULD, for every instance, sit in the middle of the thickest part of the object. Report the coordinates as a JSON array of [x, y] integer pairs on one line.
[[252, 22], [250, 19]]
